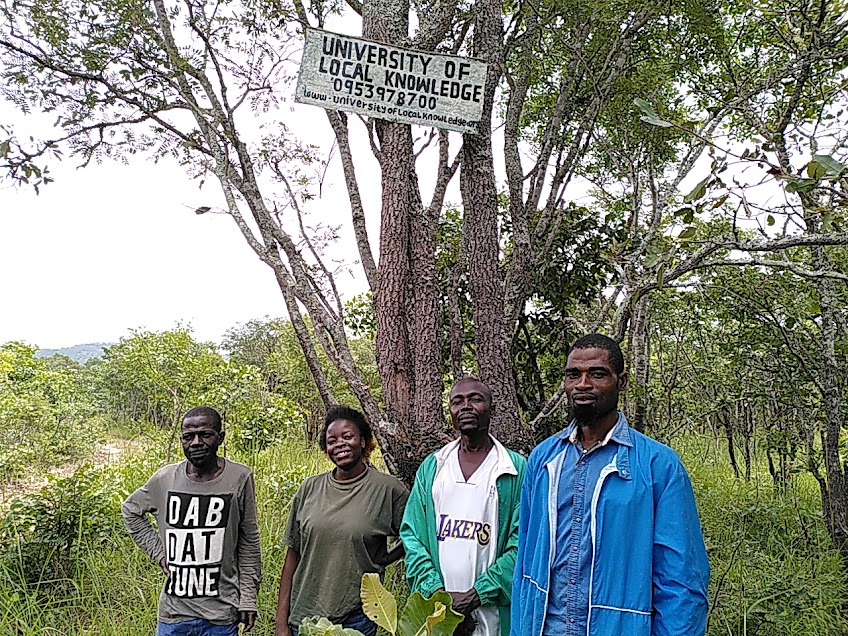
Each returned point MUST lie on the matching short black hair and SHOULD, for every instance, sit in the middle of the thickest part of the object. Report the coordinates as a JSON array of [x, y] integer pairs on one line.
[[342, 412], [474, 378], [600, 341], [208, 411]]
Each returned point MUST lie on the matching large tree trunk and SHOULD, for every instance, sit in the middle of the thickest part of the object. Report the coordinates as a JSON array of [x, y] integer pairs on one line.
[[406, 301], [479, 198]]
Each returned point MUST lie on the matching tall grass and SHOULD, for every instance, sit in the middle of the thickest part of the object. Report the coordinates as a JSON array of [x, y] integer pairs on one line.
[[774, 569]]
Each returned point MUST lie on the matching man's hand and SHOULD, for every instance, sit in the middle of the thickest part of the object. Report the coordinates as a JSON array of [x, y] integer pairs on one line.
[[465, 602], [282, 629], [466, 627], [247, 619], [163, 563]]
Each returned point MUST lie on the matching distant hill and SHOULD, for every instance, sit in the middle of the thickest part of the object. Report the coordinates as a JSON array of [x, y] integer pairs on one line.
[[82, 353]]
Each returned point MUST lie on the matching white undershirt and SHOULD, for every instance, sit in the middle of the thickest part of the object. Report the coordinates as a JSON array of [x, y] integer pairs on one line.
[[467, 526]]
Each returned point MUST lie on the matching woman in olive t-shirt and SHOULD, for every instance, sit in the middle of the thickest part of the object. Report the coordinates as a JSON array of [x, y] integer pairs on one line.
[[338, 529]]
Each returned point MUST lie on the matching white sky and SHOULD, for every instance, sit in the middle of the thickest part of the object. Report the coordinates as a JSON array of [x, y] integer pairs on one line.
[[113, 247]]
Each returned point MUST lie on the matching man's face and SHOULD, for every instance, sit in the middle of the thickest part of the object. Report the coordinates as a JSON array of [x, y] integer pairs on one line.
[[591, 384], [200, 440], [470, 406]]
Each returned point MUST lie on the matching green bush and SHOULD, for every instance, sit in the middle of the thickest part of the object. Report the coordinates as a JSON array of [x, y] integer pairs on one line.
[[42, 535]]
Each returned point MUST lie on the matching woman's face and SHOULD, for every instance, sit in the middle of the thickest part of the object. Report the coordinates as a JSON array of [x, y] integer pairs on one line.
[[344, 444]]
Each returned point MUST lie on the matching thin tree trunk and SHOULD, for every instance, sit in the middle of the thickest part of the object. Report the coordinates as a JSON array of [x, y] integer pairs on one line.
[[640, 362]]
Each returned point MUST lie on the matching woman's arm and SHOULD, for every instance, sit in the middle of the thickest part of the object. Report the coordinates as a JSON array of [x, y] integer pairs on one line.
[[284, 598], [395, 552]]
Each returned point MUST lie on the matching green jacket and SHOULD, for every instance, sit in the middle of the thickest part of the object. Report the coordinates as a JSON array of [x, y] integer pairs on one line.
[[418, 533]]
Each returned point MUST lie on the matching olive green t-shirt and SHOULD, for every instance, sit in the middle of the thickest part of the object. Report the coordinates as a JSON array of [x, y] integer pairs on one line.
[[340, 529]]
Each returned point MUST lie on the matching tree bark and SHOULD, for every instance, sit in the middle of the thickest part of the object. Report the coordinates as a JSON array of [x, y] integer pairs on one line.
[[480, 203]]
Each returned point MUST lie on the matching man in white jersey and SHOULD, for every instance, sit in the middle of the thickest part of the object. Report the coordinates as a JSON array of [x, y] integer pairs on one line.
[[460, 528]]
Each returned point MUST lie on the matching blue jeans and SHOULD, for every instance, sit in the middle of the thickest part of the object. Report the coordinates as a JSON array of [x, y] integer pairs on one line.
[[196, 627], [357, 620]]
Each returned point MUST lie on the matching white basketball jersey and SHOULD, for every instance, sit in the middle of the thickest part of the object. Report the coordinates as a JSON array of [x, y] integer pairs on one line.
[[467, 526]]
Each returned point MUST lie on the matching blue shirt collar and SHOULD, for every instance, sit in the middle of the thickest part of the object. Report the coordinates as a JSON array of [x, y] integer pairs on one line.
[[620, 432]]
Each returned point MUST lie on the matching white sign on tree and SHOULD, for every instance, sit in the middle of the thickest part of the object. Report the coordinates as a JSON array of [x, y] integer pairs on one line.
[[373, 79]]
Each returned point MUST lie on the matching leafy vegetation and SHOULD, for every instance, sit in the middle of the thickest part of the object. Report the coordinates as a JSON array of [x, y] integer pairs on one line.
[[67, 567]]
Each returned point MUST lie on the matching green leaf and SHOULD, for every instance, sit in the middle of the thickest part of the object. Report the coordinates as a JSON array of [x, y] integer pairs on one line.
[[720, 201], [769, 220], [656, 121], [320, 626], [378, 603], [649, 115], [414, 617], [800, 185], [831, 166], [645, 107], [698, 192], [436, 617], [815, 170], [687, 234]]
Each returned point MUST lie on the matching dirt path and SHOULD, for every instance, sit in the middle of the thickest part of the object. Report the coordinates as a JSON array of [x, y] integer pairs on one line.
[[105, 454]]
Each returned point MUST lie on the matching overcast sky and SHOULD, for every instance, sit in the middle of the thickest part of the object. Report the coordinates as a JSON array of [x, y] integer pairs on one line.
[[115, 247]]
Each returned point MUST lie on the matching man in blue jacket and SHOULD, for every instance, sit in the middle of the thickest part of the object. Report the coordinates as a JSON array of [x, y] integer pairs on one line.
[[609, 540]]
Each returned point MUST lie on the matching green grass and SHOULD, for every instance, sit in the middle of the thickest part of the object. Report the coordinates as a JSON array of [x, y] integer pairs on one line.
[[774, 569]]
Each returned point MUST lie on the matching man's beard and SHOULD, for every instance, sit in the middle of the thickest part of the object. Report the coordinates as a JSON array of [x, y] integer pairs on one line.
[[585, 414]]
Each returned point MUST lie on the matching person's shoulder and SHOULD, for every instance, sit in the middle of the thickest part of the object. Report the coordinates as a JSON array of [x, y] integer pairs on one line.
[[516, 457], [385, 480], [652, 446], [311, 482], [237, 467], [658, 455], [167, 471], [546, 449]]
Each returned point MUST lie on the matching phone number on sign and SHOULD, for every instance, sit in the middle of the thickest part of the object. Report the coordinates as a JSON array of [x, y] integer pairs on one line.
[[390, 95]]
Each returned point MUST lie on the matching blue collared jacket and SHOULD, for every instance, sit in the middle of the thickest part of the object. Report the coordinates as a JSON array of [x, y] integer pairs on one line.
[[649, 569]]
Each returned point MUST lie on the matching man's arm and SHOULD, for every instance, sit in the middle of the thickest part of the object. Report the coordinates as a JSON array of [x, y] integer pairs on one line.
[[421, 572], [135, 511], [680, 564], [249, 555]]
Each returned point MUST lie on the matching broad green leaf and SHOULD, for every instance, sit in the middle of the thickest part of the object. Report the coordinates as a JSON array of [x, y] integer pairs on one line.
[[800, 185], [656, 121], [815, 170], [687, 234], [436, 617], [415, 615], [321, 626], [720, 201], [378, 603], [649, 115], [769, 220], [831, 166], [645, 107], [698, 192], [827, 222]]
